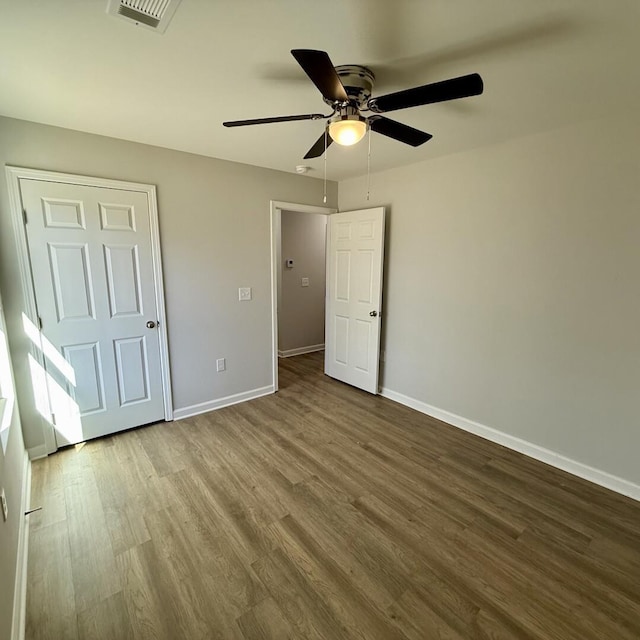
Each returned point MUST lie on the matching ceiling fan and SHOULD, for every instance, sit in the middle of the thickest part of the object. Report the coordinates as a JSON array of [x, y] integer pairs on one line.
[[347, 90]]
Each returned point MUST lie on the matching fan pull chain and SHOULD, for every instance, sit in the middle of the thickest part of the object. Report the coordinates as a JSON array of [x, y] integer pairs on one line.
[[369, 165], [324, 197]]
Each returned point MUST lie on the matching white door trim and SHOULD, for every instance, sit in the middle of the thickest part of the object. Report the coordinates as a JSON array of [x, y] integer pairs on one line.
[[276, 257], [14, 175]]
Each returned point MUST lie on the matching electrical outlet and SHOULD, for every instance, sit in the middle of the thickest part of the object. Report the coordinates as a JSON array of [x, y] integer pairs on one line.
[[5, 509], [304, 282], [221, 365], [244, 293]]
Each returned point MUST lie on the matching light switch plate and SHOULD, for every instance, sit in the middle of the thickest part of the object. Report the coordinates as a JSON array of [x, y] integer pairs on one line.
[[244, 293], [221, 365], [304, 282]]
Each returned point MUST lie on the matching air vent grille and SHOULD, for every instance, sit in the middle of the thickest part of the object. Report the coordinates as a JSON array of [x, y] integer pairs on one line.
[[128, 12], [153, 14], [152, 8]]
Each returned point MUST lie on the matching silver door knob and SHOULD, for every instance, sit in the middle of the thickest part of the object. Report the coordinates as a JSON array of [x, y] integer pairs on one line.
[[373, 314], [151, 324]]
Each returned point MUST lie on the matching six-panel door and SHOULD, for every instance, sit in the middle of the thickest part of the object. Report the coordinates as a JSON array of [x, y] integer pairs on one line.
[[90, 252], [354, 295]]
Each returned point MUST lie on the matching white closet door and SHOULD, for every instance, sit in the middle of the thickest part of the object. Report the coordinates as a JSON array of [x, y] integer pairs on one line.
[[90, 252]]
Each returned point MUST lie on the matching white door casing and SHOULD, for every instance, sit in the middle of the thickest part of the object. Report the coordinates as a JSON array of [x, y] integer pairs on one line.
[[355, 254], [95, 279]]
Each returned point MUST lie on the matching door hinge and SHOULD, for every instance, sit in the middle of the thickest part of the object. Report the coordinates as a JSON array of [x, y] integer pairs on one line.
[[24, 215], [40, 323], [53, 419]]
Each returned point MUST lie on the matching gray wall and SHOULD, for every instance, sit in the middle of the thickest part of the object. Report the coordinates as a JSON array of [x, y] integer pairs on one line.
[[301, 313], [12, 470], [512, 294], [214, 232]]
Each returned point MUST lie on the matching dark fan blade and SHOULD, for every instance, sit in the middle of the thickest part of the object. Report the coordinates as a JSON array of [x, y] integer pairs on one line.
[[318, 148], [452, 89], [398, 131], [244, 123], [318, 66]]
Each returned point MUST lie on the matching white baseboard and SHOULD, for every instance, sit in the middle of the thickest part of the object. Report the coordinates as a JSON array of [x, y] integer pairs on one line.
[[300, 350], [552, 458], [212, 405], [35, 453], [20, 588]]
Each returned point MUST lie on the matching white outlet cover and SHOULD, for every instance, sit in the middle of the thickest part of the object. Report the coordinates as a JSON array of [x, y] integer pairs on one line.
[[304, 282], [244, 293]]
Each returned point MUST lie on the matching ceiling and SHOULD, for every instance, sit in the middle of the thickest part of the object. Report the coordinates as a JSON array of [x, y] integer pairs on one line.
[[544, 64]]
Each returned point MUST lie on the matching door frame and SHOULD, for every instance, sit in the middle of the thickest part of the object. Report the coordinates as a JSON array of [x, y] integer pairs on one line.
[[14, 175], [276, 259]]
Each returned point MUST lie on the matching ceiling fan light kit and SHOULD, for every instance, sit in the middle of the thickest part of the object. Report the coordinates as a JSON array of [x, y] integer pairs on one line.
[[347, 90], [348, 127]]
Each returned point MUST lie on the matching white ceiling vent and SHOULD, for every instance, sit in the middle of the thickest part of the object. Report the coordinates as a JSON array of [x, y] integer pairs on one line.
[[152, 14]]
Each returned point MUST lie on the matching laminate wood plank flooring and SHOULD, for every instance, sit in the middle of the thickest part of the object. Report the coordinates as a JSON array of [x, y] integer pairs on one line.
[[325, 513]]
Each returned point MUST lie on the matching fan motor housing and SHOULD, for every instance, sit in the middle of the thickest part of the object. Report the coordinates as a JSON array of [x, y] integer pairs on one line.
[[358, 83]]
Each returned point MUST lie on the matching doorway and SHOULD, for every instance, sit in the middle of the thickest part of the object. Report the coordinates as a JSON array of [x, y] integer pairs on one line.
[[298, 242]]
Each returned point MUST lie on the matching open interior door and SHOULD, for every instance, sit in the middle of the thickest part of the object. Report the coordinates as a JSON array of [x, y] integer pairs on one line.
[[355, 252]]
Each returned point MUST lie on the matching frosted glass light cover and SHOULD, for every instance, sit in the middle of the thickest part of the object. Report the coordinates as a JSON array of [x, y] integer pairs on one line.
[[347, 132]]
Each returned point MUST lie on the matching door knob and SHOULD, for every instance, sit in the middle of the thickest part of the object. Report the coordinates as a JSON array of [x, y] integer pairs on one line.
[[151, 324], [373, 314]]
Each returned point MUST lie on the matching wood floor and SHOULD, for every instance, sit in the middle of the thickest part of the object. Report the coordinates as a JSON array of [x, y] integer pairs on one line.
[[322, 512]]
